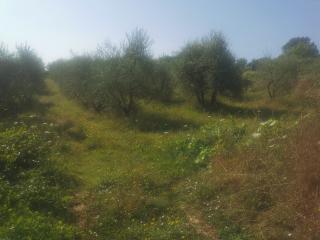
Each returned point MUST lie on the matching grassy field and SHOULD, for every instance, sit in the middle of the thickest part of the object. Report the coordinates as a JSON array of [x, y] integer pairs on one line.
[[163, 173]]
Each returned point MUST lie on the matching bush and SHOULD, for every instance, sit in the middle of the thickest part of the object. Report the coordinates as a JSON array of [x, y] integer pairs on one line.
[[21, 77], [35, 194], [196, 150], [21, 148]]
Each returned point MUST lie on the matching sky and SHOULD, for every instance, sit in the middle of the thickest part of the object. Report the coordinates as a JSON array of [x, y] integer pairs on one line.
[[253, 28]]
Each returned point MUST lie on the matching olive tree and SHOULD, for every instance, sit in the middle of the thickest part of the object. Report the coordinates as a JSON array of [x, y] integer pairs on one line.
[[209, 68], [301, 47], [222, 71], [162, 82], [279, 75], [193, 71], [124, 74]]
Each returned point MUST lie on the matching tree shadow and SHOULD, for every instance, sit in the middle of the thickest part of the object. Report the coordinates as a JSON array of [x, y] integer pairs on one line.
[[263, 113], [34, 106], [159, 122]]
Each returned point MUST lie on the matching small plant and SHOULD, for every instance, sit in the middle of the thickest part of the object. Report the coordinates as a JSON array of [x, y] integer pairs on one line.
[[195, 150]]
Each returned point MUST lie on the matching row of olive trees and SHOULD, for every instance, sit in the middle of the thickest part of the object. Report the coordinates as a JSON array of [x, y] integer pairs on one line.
[[21, 77], [115, 78]]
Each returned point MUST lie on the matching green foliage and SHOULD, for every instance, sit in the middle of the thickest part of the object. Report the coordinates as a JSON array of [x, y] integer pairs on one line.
[[195, 150], [295, 69], [208, 67], [279, 75], [162, 78], [301, 47], [130, 207], [242, 64], [34, 193], [21, 77], [115, 78], [24, 224], [21, 149]]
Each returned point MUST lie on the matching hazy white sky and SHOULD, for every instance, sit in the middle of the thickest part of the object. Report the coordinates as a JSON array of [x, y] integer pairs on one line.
[[254, 28]]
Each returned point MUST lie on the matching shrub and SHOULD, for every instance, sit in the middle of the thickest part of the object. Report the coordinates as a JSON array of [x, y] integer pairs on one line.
[[35, 194], [21, 77], [196, 150]]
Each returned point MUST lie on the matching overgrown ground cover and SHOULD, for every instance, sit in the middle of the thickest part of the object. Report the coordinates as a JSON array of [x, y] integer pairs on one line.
[[35, 192], [118, 144], [175, 172]]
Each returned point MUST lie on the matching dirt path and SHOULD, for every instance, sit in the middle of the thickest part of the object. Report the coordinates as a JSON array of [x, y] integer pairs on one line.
[[196, 220], [79, 209]]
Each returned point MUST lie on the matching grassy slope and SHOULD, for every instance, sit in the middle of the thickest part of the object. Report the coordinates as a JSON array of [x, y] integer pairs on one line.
[[136, 154], [121, 146]]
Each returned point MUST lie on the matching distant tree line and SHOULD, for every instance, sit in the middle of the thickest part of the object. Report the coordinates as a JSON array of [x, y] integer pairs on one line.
[[21, 77], [117, 78]]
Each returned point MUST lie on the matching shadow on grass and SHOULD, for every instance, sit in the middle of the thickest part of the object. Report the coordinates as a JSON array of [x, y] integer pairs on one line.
[[263, 113], [159, 122], [33, 106]]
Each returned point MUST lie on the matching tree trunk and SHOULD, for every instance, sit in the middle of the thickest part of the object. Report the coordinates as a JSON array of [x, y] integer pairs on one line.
[[128, 108], [214, 97], [200, 98], [271, 91]]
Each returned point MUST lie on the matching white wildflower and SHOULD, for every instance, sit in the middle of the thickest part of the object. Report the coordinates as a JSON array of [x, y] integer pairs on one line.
[[272, 123], [264, 123], [256, 135]]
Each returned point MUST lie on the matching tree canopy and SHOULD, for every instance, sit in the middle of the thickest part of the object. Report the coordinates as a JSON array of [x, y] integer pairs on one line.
[[301, 47], [209, 68]]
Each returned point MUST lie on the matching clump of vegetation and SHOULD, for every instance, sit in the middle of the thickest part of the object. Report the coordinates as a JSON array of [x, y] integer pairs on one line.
[[208, 68], [21, 77], [115, 78], [35, 193], [198, 148], [128, 208], [281, 75]]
